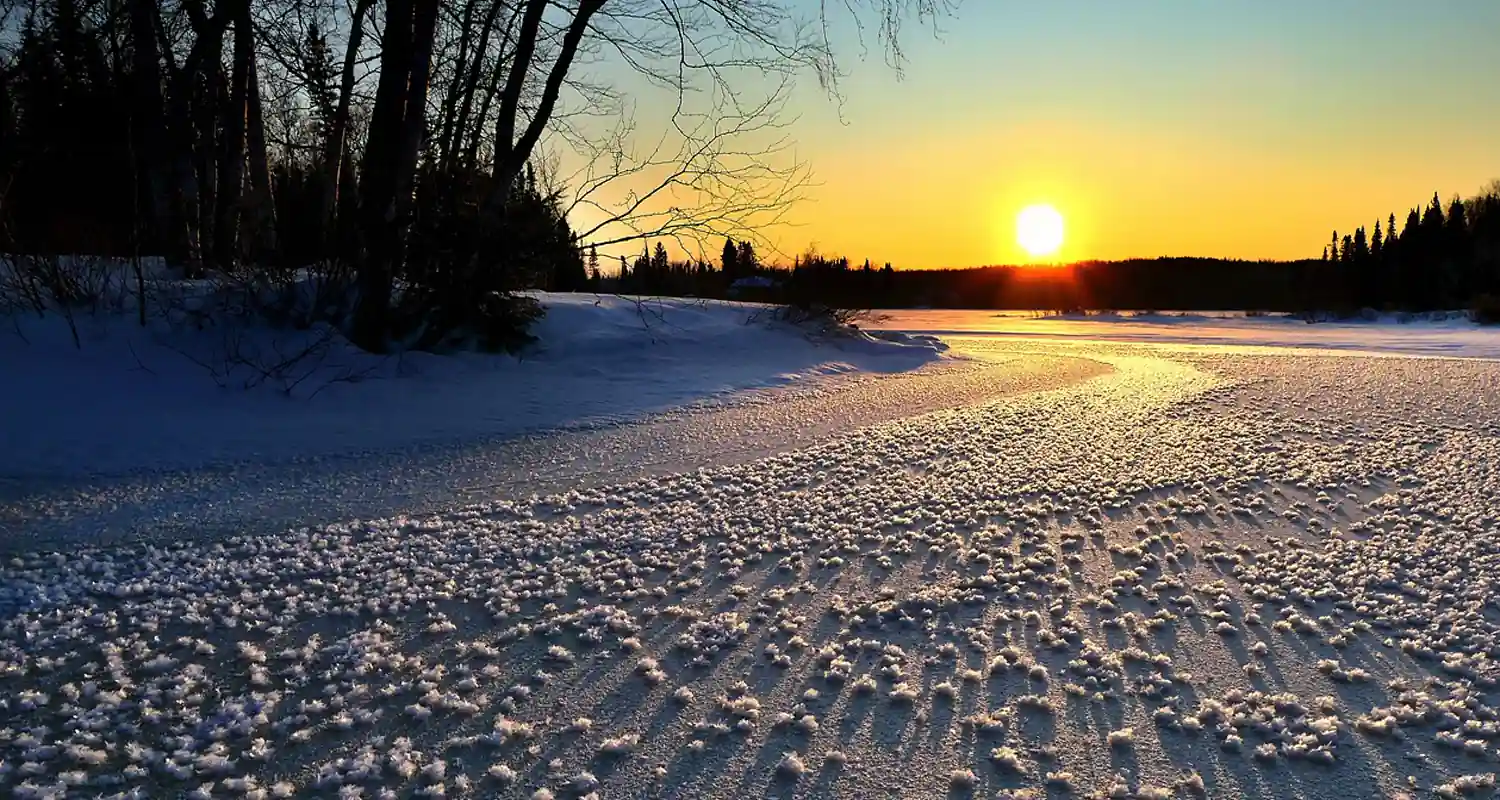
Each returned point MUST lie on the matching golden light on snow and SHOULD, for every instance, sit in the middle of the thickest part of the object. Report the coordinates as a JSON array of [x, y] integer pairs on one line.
[[1039, 230]]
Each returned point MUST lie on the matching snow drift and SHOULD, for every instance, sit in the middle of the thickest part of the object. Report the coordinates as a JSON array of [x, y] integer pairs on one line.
[[131, 399]]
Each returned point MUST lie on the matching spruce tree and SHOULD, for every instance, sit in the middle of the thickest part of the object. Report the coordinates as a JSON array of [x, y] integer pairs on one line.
[[1432, 219], [746, 260], [1456, 252], [1458, 221], [728, 260], [1414, 285], [322, 78], [1377, 242]]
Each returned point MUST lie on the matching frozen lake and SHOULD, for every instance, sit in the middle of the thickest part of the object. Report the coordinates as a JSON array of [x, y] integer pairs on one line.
[[1054, 563]]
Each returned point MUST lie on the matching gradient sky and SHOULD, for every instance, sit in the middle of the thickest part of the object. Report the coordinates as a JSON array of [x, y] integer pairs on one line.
[[1231, 128]]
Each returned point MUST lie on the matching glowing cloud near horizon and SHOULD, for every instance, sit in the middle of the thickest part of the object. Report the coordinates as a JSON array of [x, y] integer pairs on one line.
[[1039, 230]]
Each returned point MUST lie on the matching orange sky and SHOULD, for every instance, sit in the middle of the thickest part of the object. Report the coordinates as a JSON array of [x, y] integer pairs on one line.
[[952, 200], [1241, 128]]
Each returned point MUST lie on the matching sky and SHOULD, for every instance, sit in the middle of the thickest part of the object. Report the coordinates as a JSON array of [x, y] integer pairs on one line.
[[1221, 128]]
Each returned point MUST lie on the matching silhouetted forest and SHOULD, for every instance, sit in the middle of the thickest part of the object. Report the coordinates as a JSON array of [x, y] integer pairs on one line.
[[1165, 283], [240, 134], [401, 152], [1444, 257]]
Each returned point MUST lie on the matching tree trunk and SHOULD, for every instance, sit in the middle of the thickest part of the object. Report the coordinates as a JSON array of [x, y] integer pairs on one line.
[[262, 205], [515, 82], [207, 146], [446, 134], [380, 178], [511, 154], [232, 161], [469, 156], [149, 122], [416, 101], [182, 127], [335, 174]]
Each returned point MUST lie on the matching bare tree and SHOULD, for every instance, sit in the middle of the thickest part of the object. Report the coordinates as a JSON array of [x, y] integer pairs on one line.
[[440, 109], [390, 158], [723, 164]]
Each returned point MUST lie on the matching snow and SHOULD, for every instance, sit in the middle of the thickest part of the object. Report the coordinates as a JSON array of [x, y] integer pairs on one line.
[[1037, 590], [1448, 335], [130, 401]]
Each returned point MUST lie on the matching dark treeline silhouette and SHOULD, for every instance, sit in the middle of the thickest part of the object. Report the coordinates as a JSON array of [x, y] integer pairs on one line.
[[1164, 283], [1444, 256], [652, 272]]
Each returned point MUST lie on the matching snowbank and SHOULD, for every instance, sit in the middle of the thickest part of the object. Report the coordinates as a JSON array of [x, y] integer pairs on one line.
[[130, 400]]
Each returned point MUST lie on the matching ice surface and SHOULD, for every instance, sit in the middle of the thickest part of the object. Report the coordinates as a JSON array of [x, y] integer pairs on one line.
[[1238, 572], [1453, 336]]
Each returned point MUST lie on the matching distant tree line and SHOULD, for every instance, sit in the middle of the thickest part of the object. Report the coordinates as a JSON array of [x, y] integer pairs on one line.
[[811, 277], [1443, 257]]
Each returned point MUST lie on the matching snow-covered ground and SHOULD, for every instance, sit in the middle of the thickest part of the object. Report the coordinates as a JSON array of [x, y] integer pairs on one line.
[[130, 400], [1181, 571], [128, 437]]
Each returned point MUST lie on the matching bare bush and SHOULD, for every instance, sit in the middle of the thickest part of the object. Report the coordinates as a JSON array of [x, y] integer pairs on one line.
[[246, 328], [818, 319]]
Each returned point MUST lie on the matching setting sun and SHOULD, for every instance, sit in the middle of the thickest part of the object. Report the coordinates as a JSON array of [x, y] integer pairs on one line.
[[1039, 230]]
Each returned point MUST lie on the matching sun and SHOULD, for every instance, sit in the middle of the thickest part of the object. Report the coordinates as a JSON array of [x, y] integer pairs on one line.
[[1039, 230]]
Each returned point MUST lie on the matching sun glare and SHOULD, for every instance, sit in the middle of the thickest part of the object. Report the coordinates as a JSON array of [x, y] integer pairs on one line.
[[1039, 230]]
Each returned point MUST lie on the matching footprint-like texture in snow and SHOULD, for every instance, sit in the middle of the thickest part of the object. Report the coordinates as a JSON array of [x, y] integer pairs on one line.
[[1200, 573]]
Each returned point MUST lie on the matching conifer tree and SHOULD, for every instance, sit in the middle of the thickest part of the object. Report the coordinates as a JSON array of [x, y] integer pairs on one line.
[[1432, 219], [1413, 225], [1414, 288], [746, 260], [728, 261], [1456, 252]]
